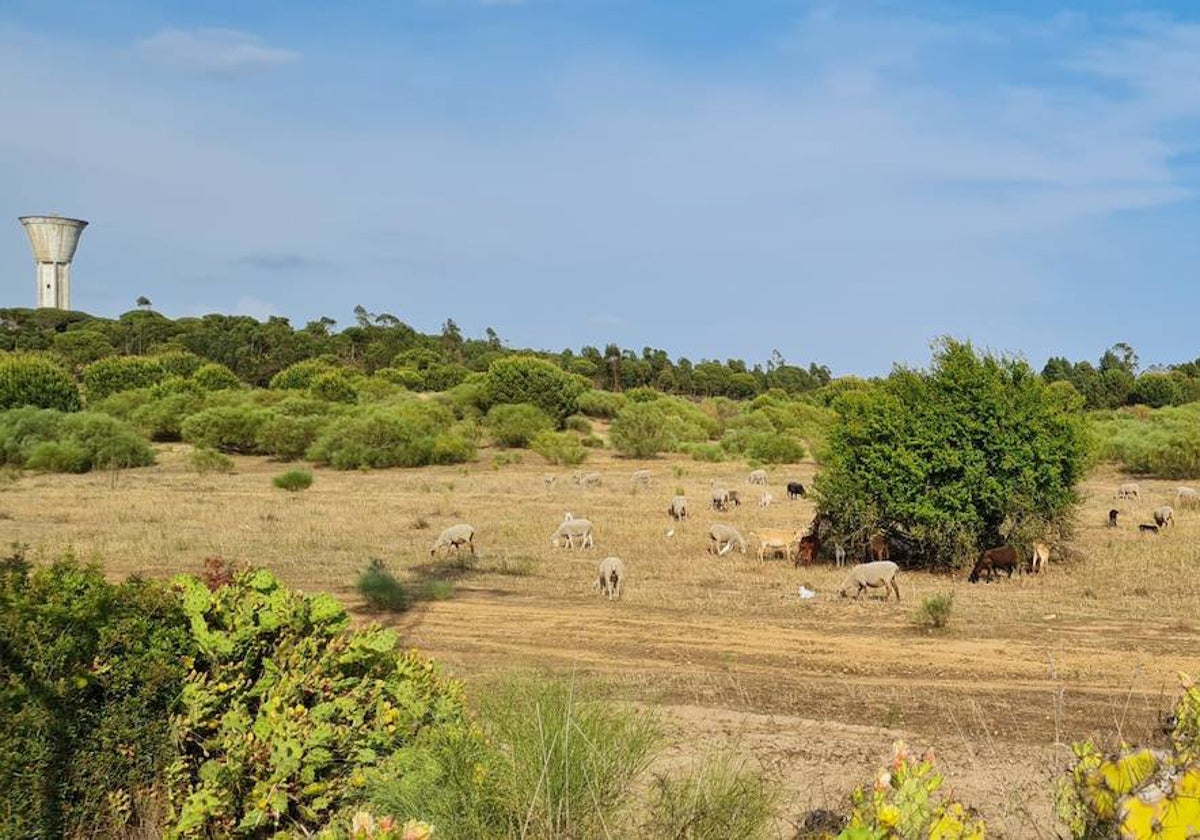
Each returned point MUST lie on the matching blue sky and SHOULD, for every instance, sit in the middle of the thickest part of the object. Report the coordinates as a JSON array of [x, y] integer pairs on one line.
[[841, 181]]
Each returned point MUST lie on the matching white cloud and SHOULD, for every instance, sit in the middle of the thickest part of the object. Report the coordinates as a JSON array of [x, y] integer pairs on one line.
[[212, 50]]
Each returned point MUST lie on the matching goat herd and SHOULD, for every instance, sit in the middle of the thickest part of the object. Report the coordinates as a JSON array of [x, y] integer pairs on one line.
[[877, 572]]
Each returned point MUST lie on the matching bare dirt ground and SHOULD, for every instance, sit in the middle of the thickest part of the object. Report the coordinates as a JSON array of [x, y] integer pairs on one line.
[[814, 690]]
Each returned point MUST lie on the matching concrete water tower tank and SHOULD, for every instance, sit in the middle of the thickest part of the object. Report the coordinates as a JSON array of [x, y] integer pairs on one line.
[[53, 239]]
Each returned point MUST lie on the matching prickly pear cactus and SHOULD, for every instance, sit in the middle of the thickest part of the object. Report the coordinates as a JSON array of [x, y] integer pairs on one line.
[[902, 805], [1138, 793], [285, 707]]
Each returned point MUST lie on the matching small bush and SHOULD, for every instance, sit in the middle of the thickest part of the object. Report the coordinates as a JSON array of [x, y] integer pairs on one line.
[[288, 437], [179, 362], [437, 590], [600, 403], [721, 799], [592, 441], [120, 373], [517, 425], [30, 380], [410, 434], [45, 439], [559, 448], [293, 480], [299, 376], [215, 377], [333, 386], [380, 589], [162, 418], [228, 428], [934, 611], [578, 423], [709, 452], [204, 461]]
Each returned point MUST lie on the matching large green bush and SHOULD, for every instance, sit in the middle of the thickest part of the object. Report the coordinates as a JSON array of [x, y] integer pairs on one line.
[[517, 425], [179, 362], [409, 434], [605, 404], [528, 379], [642, 430], [287, 436], [286, 709], [120, 373], [227, 428], [45, 439], [162, 419], [27, 379], [301, 375], [90, 674], [215, 377], [559, 448], [957, 457]]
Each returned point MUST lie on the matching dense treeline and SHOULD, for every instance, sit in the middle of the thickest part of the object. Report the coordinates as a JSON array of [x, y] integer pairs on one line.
[[257, 350], [1114, 380]]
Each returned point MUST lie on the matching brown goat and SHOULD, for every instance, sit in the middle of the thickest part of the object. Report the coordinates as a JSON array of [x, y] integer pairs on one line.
[[1001, 559], [877, 548]]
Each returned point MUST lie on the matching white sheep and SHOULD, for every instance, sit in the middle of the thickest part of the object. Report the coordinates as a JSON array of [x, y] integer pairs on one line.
[[881, 573], [640, 478], [839, 555], [765, 500], [455, 536], [1187, 496], [720, 498], [1164, 516], [678, 509], [572, 531], [610, 576], [591, 479], [723, 538], [757, 477], [1129, 490]]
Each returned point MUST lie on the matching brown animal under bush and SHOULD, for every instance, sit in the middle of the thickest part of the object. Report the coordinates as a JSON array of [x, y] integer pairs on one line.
[[1001, 559]]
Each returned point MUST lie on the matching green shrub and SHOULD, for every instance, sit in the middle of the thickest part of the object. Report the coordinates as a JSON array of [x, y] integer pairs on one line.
[[162, 418], [517, 425], [179, 362], [559, 448], [721, 799], [409, 434], [30, 380], [710, 452], [380, 589], [227, 428], [45, 439], [954, 456], [205, 461], [1164, 443], [642, 430], [604, 404], [405, 377], [288, 437], [215, 377], [91, 675], [934, 612], [120, 373], [578, 423], [293, 480], [444, 377], [333, 386], [592, 441], [287, 710], [300, 376], [773, 448], [528, 379]]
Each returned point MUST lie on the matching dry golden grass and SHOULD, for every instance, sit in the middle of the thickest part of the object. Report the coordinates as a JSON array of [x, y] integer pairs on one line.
[[1091, 648]]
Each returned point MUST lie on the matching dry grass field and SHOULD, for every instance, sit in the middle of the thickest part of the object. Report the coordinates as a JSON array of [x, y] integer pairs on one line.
[[815, 690]]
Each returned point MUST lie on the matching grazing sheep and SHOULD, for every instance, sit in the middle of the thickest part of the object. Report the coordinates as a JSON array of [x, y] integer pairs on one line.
[[455, 536], [1112, 518], [611, 573], [1129, 490], [877, 548], [795, 490], [549, 479], [678, 509], [776, 539], [720, 498], [568, 516], [765, 500], [572, 531], [640, 478], [757, 477], [1041, 556], [1002, 559], [591, 479], [723, 537], [1147, 529], [881, 573], [1187, 496], [1164, 516]]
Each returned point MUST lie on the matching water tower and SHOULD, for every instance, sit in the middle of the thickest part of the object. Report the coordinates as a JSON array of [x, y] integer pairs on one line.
[[53, 239]]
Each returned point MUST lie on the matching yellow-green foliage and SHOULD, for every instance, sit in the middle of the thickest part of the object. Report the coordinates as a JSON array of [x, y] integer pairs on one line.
[[285, 709], [1138, 792], [902, 805], [1163, 442]]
